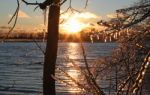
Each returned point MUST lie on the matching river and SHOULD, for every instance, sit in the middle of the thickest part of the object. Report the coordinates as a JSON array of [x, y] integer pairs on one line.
[[21, 65]]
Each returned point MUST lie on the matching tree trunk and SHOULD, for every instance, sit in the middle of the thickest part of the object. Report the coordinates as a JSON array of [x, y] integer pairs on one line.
[[51, 50]]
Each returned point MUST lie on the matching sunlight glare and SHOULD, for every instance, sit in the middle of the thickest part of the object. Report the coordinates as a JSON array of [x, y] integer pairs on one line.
[[73, 25], [77, 22]]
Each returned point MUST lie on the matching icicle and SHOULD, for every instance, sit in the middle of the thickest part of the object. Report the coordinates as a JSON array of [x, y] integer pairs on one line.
[[116, 35], [44, 35], [139, 45], [110, 39], [44, 14], [127, 32], [143, 73], [105, 40], [146, 66], [119, 34], [91, 38], [97, 37]]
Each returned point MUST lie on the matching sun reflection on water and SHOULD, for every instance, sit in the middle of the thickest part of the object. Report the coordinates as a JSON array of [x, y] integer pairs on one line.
[[75, 75], [69, 75], [73, 53]]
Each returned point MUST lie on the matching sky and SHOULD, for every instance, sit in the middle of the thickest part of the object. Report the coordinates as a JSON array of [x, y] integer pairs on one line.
[[97, 9]]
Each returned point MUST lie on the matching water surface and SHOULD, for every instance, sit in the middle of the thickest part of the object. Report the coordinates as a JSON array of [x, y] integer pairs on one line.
[[21, 65]]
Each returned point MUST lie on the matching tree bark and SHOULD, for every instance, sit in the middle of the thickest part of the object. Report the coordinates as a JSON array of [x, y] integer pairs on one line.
[[51, 50]]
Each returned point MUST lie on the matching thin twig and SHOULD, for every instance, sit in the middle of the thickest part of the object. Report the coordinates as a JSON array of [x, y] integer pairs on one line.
[[40, 48], [30, 3], [86, 4], [15, 15]]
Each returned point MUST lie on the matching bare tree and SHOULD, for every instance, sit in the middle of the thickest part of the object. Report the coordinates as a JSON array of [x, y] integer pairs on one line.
[[131, 16], [131, 29], [52, 41], [51, 49]]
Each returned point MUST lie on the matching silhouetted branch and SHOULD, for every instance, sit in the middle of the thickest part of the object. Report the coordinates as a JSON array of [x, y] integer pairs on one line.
[[86, 3], [40, 48], [141, 74], [15, 15], [63, 1], [138, 20], [70, 8], [36, 3], [132, 8]]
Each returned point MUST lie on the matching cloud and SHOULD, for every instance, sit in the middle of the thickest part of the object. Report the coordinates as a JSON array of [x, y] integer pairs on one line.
[[86, 15], [82, 15], [111, 15], [21, 14], [38, 16], [114, 15], [79, 21]]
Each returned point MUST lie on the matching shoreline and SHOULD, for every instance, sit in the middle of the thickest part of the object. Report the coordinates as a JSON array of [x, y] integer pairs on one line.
[[41, 40], [21, 40]]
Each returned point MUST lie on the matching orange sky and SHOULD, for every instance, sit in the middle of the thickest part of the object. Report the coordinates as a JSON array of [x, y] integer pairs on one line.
[[33, 20]]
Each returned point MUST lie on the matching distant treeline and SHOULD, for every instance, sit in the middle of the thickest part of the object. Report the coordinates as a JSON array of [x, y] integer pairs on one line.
[[84, 36]]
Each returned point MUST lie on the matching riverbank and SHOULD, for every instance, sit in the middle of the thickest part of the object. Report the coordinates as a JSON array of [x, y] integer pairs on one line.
[[21, 40], [41, 40]]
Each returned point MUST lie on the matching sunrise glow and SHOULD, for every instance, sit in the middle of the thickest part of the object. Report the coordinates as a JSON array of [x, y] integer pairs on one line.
[[76, 22], [73, 26]]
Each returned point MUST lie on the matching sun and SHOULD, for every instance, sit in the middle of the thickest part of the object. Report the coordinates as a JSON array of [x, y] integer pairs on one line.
[[73, 25]]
